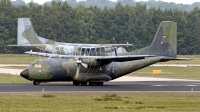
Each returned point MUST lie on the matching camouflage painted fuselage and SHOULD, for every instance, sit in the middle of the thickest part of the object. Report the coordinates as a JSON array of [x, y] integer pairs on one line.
[[58, 69]]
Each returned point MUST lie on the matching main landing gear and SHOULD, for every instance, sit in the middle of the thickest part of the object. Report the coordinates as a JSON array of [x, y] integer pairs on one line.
[[76, 83], [96, 83]]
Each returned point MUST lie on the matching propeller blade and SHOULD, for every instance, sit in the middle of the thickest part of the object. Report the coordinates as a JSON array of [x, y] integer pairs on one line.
[[78, 61], [82, 64], [77, 71]]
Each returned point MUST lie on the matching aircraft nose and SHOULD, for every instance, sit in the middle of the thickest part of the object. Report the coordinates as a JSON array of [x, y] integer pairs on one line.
[[25, 73]]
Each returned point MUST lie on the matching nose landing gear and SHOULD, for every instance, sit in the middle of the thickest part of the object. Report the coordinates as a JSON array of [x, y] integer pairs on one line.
[[36, 82]]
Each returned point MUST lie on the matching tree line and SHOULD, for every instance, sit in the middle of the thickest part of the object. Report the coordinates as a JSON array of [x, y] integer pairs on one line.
[[121, 24], [110, 4]]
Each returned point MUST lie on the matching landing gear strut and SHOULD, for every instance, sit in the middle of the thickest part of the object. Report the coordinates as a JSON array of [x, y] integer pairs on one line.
[[36, 82]]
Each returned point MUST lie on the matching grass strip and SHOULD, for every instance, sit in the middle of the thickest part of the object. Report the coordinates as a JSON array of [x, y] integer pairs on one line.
[[7, 78], [86, 102], [18, 58]]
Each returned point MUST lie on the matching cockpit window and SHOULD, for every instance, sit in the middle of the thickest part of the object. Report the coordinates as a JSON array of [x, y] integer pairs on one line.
[[37, 66], [31, 65]]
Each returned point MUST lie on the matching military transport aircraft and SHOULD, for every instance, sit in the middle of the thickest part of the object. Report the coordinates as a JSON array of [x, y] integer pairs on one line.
[[26, 37], [96, 70]]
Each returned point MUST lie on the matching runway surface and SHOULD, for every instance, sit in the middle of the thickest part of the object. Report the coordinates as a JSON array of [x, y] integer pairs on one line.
[[108, 86]]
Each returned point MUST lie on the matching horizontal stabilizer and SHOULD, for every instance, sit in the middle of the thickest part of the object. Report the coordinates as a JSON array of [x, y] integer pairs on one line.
[[165, 58]]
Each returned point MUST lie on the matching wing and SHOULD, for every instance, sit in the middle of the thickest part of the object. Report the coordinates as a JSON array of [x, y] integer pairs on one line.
[[27, 45], [104, 59], [74, 44], [96, 45]]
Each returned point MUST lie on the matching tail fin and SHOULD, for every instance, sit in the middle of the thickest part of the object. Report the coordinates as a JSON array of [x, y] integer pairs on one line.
[[26, 34], [164, 43]]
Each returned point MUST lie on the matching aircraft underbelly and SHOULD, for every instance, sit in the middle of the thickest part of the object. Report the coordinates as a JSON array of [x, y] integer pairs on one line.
[[93, 77]]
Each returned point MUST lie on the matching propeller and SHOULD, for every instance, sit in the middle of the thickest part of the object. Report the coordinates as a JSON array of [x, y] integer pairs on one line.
[[79, 62]]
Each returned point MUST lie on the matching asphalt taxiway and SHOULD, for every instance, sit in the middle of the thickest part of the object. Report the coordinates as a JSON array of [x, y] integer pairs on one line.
[[157, 86]]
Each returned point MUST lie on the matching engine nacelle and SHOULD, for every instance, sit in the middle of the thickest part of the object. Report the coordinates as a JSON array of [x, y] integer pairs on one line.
[[91, 62]]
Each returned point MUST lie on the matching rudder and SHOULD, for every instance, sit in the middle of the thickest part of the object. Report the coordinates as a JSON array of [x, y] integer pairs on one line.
[[26, 34], [164, 42]]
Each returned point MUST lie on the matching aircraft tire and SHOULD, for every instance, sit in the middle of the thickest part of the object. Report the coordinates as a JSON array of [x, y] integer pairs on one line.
[[96, 83], [76, 83], [36, 83], [99, 83], [84, 83], [91, 83]]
